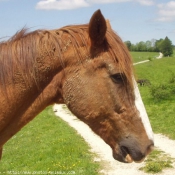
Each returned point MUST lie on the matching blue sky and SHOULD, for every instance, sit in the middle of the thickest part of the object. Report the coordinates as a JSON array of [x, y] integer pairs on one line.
[[134, 20]]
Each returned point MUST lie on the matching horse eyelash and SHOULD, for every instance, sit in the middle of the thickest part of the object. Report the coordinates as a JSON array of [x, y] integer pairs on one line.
[[118, 78]]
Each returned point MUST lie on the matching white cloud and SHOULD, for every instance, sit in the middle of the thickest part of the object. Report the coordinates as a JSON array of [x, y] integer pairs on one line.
[[61, 4], [166, 11], [73, 4], [145, 2], [106, 1]]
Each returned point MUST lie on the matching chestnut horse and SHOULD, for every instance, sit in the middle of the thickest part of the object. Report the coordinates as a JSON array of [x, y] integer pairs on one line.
[[88, 68]]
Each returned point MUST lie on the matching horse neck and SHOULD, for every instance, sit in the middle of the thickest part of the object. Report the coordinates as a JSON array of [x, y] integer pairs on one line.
[[34, 67], [29, 64], [31, 61], [30, 80]]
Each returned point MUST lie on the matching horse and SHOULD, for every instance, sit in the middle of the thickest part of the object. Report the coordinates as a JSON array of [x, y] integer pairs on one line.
[[88, 68], [143, 82]]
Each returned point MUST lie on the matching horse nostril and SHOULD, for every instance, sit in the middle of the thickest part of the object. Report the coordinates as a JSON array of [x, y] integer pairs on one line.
[[150, 148], [125, 150], [123, 109]]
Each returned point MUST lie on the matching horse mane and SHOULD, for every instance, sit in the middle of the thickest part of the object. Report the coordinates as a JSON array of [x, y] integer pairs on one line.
[[21, 50], [18, 52]]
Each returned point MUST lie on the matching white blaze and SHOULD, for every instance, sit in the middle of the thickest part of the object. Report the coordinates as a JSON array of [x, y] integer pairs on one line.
[[143, 114]]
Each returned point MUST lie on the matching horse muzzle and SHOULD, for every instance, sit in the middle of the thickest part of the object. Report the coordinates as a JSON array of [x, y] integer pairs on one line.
[[129, 150]]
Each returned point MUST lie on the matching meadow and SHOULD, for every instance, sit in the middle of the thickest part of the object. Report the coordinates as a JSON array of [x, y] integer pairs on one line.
[[159, 100], [161, 74], [140, 56], [47, 144]]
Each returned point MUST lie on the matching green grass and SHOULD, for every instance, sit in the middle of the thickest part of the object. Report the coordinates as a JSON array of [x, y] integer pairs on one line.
[[141, 56], [161, 113], [47, 144], [156, 162]]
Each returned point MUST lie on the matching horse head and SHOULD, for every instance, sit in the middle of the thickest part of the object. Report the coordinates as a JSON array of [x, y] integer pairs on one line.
[[100, 90]]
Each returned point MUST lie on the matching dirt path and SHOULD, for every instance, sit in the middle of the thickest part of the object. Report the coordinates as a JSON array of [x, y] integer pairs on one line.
[[144, 61], [141, 62], [103, 151]]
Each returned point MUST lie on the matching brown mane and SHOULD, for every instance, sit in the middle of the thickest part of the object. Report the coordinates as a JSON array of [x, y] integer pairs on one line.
[[19, 50]]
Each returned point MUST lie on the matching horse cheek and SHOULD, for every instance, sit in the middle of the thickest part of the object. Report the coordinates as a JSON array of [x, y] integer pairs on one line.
[[75, 96]]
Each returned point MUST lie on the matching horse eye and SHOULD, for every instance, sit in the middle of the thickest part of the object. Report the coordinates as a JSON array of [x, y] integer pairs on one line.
[[117, 78]]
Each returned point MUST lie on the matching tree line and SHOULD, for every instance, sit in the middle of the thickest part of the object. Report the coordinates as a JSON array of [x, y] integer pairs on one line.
[[162, 45]]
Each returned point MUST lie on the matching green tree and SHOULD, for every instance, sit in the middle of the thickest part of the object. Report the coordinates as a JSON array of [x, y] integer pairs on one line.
[[158, 44], [133, 48], [141, 46], [148, 46], [128, 44], [166, 47]]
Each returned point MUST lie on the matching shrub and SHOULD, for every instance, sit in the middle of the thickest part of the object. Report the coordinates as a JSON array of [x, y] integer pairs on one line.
[[164, 91], [160, 92], [172, 78], [150, 58]]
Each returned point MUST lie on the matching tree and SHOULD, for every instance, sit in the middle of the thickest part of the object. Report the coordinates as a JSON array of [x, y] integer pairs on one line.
[[166, 47], [153, 42], [148, 46], [162, 45], [133, 48], [158, 44], [128, 44], [141, 46]]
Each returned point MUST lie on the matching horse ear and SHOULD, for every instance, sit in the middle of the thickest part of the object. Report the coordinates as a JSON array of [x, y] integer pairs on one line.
[[108, 24], [97, 28]]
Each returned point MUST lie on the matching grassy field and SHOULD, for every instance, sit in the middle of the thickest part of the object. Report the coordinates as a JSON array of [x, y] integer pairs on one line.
[[161, 107], [161, 111], [47, 145], [140, 56]]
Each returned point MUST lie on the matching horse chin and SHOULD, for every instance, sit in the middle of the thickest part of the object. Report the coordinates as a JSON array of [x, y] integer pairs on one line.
[[124, 157]]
